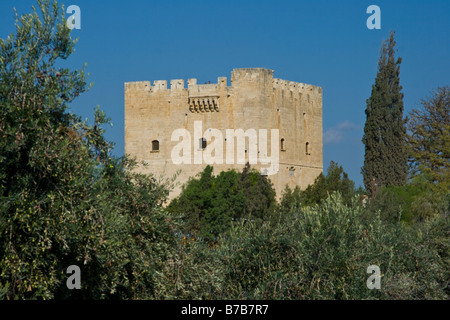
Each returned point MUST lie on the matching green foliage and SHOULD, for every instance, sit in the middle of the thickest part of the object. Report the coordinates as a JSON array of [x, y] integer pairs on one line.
[[429, 139], [336, 180], [259, 195], [385, 159], [394, 203], [416, 201], [316, 192], [426, 195], [322, 252], [194, 271], [63, 199], [291, 201], [210, 203]]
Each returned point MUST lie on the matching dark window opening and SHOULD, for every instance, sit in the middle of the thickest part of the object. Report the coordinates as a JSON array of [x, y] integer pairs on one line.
[[155, 145], [202, 143]]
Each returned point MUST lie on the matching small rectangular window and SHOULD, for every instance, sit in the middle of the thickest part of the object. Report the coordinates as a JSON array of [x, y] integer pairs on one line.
[[155, 146], [202, 143]]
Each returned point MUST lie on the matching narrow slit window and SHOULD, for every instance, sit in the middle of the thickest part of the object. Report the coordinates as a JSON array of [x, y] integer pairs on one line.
[[155, 145], [283, 144], [202, 143], [307, 148]]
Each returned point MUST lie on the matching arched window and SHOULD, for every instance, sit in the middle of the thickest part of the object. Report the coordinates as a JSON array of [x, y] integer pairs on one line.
[[202, 143], [283, 144], [155, 146], [307, 149]]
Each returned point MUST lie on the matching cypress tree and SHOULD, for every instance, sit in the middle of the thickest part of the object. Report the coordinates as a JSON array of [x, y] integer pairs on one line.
[[385, 159]]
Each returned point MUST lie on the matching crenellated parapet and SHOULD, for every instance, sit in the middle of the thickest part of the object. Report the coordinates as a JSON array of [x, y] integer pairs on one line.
[[208, 97], [177, 84], [296, 86], [138, 86]]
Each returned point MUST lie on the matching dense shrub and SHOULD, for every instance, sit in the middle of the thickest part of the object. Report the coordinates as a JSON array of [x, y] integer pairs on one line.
[[64, 200], [323, 252], [415, 202], [210, 203], [336, 180]]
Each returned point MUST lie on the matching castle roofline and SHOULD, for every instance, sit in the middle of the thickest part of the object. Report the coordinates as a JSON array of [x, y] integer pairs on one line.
[[236, 74], [253, 69]]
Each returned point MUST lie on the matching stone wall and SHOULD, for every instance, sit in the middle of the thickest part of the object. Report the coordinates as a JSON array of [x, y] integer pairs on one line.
[[255, 100]]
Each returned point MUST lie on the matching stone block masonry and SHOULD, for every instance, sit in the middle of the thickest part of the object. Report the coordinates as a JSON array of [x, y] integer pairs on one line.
[[255, 100]]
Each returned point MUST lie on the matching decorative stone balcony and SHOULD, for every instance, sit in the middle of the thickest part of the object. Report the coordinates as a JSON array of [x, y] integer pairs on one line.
[[204, 104]]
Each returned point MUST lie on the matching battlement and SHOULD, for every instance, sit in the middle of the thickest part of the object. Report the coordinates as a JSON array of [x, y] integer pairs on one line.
[[295, 86], [138, 86], [193, 88], [251, 74], [199, 90], [237, 76]]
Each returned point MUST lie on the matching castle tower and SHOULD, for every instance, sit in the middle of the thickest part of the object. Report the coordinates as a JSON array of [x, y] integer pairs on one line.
[[156, 117]]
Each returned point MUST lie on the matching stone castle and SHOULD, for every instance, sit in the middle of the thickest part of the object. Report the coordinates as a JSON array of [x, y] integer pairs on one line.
[[255, 100]]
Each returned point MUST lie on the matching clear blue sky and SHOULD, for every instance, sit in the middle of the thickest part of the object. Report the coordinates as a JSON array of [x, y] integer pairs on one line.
[[325, 43]]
